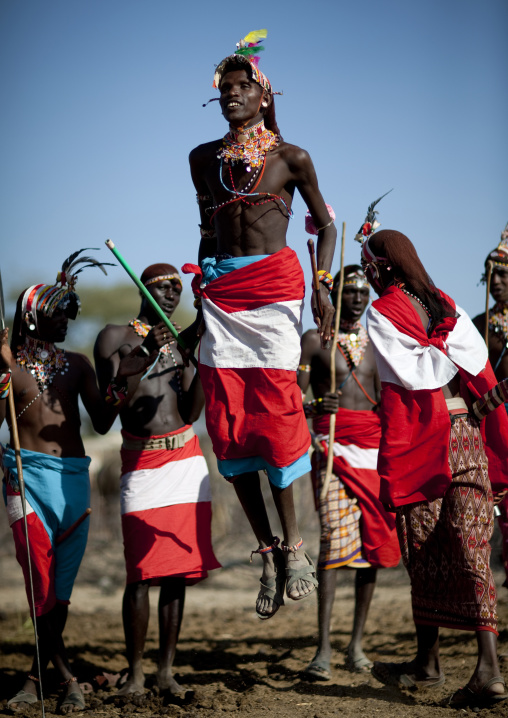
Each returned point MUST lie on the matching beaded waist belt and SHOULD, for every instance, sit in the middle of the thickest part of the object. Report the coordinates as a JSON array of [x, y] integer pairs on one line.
[[175, 441], [457, 406]]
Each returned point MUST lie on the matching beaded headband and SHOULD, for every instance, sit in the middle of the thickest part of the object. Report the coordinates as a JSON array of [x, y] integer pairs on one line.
[[154, 280], [356, 279], [46, 298], [370, 260], [499, 256], [245, 54]]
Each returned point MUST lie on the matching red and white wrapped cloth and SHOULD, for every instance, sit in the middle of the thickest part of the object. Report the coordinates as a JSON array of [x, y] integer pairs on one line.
[[413, 458], [248, 359], [166, 512], [357, 437]]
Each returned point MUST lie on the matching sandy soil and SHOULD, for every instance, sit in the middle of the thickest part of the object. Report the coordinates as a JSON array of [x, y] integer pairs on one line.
[[229, 660]]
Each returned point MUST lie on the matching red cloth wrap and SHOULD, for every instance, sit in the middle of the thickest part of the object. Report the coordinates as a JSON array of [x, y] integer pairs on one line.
[[413, 453], [363, 429]]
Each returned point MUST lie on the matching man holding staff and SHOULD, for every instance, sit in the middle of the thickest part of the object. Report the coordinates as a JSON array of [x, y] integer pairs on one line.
[[250, 286], [165, 490], [356, 531], [47, 383], [495, 331]]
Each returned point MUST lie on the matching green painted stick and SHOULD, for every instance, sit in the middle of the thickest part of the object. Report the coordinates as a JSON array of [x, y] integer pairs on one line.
[[144, 291]]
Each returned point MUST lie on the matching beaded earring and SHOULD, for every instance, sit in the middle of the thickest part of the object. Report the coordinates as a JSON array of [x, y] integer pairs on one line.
[[29, 321]]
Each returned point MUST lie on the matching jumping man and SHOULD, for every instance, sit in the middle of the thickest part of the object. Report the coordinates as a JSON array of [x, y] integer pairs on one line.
[[251, 287]]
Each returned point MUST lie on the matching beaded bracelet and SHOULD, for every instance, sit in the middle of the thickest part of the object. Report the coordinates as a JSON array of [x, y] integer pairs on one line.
[[326, 279], [5, 384], [116, 392], [311, 407], [304, 367]]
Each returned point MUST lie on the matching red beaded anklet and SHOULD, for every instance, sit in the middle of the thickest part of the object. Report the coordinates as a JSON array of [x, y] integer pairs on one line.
[[268, 549]]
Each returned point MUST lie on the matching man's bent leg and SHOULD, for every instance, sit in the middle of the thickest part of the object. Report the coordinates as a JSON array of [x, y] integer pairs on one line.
[[135, 613], [171, 603]]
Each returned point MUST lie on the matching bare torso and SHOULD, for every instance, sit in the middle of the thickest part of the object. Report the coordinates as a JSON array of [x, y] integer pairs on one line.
[[352, 396], [153, 408], [497, 343], [49, 422]]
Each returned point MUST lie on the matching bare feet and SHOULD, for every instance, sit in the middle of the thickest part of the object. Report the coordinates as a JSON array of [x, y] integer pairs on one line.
[[301, 575], [167, 684], [134, 685], [25, 697]]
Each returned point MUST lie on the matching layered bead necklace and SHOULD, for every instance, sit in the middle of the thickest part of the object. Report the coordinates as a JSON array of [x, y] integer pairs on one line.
[[248, 145], [43, 360], [498, 320], [353, 340], [142, 330]]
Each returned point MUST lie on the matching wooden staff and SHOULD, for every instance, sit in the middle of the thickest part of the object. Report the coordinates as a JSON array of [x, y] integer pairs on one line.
[[490, 267], [19, 466], [72, 527], [315, 277], [333, 417]]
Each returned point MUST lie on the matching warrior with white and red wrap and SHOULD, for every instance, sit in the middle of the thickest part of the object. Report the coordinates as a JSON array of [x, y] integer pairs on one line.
[[356, 530], [250, 304], [165, 487], [433, 460]]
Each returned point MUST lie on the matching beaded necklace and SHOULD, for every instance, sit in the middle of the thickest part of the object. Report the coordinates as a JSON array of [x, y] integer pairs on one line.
[[353, 340], [43, 360], [498, 320], [248, 145], [142, 330], [423, 306], [240, 196]]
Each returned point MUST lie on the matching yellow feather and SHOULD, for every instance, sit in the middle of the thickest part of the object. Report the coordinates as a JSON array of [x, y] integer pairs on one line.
[[255, 36]]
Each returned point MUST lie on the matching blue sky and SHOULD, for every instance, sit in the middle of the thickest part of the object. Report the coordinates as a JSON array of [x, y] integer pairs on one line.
[[102, 102]]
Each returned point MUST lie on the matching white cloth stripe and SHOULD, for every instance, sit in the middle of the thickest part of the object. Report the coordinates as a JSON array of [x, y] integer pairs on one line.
[[177, 482], [15, 508], [402, 360], [257, 338], [355, 456]]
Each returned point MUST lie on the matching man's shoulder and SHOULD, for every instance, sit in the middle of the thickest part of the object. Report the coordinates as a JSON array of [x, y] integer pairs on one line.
[[113, 336], [204, 151], [293, 154]]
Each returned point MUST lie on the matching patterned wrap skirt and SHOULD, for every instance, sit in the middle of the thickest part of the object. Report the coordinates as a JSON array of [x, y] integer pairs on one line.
[[445, 543]]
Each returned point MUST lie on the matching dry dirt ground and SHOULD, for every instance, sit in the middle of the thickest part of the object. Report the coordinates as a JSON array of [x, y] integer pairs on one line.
[[229, 660]]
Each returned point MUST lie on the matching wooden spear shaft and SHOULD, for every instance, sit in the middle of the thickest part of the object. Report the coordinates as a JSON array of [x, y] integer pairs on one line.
[[333, 386], [490, 266], [21, 482]]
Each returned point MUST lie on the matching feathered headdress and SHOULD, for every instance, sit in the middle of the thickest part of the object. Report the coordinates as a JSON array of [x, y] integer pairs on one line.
[[499, 255], [246, 53], [46, 297], [370, 223]]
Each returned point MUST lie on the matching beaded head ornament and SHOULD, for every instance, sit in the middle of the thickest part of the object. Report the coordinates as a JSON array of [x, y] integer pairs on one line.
[[499, 256], [355, 278], [46, 298], [369, 226], [246, 56]]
